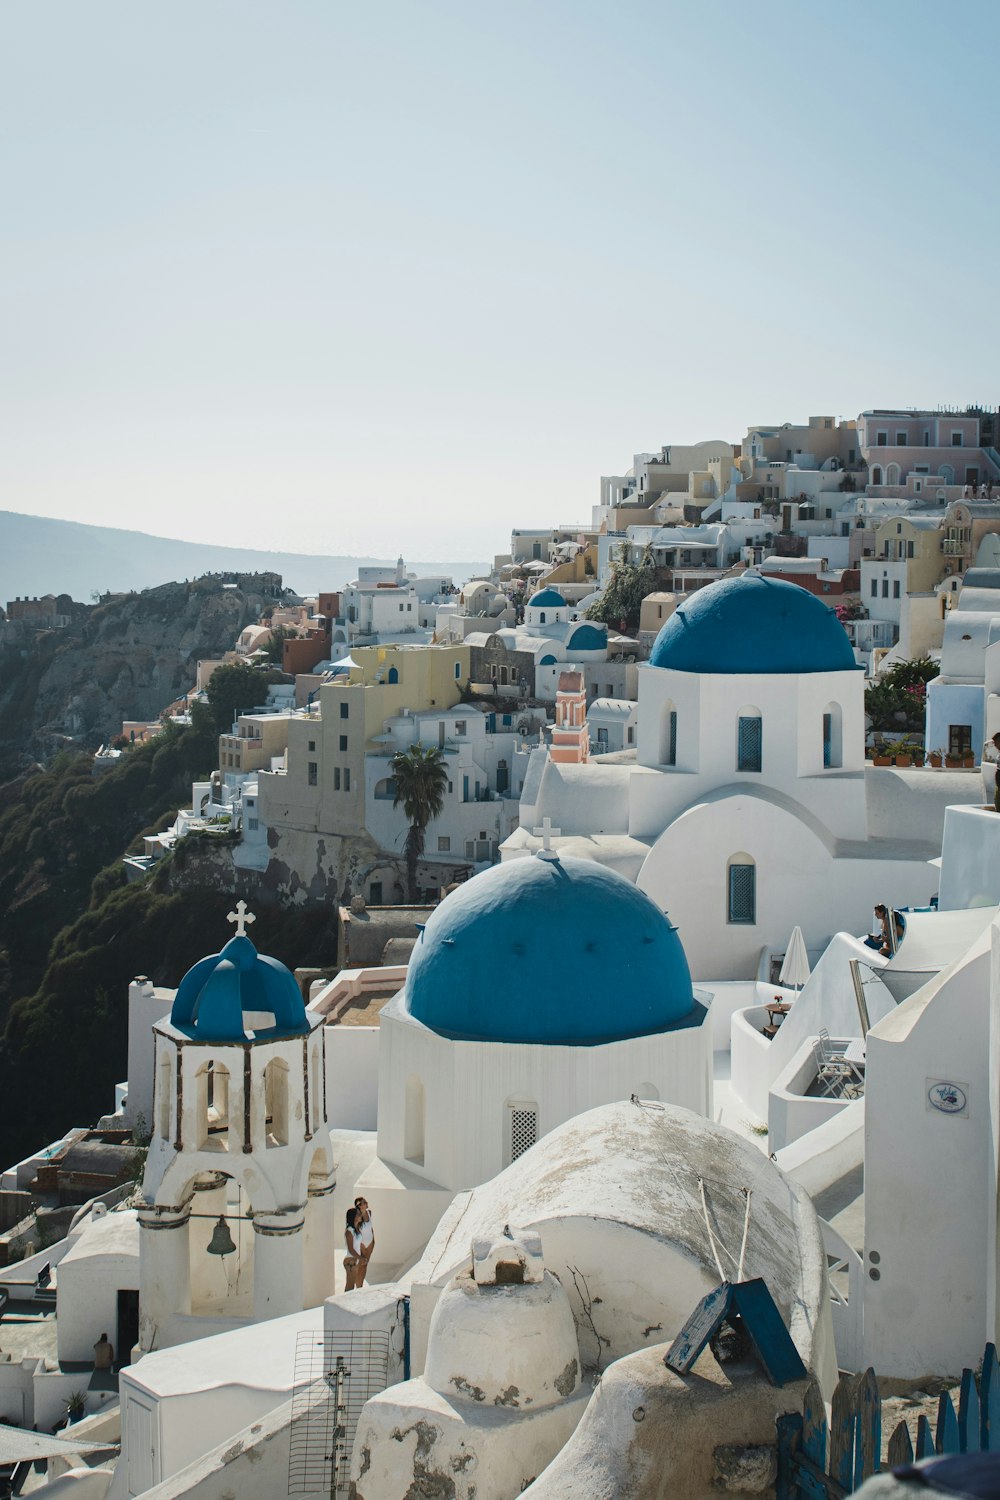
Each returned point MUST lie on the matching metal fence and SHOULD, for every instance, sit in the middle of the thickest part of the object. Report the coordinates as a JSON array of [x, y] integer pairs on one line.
[[335, 1374]]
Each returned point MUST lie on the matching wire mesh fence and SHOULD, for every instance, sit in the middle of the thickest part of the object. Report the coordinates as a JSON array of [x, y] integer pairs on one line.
[[335, 1374]]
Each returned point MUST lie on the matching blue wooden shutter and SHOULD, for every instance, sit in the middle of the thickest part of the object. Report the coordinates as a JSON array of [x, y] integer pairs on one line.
[[749, 745], [743, 893], [828, 740]]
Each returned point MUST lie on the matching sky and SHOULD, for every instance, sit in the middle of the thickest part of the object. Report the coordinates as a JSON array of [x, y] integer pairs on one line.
[[331, 277]]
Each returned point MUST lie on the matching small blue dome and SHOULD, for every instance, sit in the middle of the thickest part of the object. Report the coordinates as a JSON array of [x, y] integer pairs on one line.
[[547, 950], [213, 995], [547, 599], [588, 638], [753, 625]]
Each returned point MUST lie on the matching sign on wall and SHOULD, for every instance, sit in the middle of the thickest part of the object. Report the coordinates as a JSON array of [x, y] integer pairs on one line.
[[947, 1096]]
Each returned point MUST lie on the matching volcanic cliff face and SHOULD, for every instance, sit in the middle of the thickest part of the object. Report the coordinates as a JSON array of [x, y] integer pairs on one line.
[[127, 658]]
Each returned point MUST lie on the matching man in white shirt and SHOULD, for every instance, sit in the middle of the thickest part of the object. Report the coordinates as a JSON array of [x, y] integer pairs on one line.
[[367, 1238]]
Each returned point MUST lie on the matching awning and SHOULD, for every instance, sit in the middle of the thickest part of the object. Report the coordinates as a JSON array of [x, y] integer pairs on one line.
[[18, 1446]]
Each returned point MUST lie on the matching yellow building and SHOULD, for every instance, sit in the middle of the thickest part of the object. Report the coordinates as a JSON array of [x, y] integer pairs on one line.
[[323, 787], [919, 542]]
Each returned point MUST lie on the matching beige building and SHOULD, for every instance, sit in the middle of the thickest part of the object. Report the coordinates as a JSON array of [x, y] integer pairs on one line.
[[965, 524], [919, 542], [259, 738], [322, 788]]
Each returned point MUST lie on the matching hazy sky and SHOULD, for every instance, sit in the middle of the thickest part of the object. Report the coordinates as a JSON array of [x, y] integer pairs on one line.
[[405, 273]]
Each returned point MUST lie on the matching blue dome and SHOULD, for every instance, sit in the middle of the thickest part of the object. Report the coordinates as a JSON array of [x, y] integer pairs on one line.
[[588, 638], [213, 995], [753, 625], [547, 950], [547, 599]]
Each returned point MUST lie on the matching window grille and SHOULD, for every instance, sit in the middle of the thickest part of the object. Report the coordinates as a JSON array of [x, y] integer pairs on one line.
[[743, 893], [749, 749], [672, 739], [523, 1130], [827, 740]]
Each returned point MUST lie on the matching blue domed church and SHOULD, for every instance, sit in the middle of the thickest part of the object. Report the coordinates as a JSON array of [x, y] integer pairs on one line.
[[538, 990], [747, 809]]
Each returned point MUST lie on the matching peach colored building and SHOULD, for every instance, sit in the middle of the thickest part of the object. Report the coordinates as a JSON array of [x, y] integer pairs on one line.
[[570, 734]]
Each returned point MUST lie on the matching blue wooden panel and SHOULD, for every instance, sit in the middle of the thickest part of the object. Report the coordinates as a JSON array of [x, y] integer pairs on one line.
[[843, 1422], [702, 1325], [946, 1440], [925, 1439], [969, 1421], [772, 1342], [868, 1439], [814, 1426], [900, 1447], [989, 1401], [789, 1431]]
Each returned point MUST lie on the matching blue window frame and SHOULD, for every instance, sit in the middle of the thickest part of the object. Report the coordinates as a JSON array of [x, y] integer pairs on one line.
[[749, 745], [742, 894]]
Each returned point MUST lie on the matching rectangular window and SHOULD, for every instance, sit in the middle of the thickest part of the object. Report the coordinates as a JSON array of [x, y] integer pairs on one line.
[[458, 670], [901, 440], [343, 742], [313, 773], [444, 844], [343, 710], [749, 738], [602, 736], [956, 440], [672, 739], [881, 439], [874, 588], [827, 741], [909, 549], [312, 746], [400, 609], [347, 778], [959, 739], [253, 824], [336, 778], [885, 588], [459, 726], [895, 588], [743, 894], [470, 848], [523, 1130]]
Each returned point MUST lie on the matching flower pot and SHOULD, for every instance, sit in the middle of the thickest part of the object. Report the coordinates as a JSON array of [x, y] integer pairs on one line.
[[903, 760], [968, 761], [953, 762], [882, 760], [935, 761]]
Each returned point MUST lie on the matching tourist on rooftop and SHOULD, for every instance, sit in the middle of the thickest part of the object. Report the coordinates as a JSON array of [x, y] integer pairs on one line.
[[367, 1239], [352, 1239]]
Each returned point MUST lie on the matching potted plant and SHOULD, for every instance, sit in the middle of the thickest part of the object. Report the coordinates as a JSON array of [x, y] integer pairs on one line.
[[76, 1405], [881, 757], [936, 758], [953, 762], [899, 751], [969, 759]]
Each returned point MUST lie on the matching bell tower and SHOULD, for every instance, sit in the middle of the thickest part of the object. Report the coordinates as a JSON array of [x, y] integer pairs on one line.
[[237, 1223], [570, 735]]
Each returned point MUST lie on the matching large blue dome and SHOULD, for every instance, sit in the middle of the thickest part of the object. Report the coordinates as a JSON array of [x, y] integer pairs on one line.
[[753, 625], [548, 950], [219, 994], [548, 599]]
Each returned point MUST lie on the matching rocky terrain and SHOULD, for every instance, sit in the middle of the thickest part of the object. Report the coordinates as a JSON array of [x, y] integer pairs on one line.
[[127, 658]]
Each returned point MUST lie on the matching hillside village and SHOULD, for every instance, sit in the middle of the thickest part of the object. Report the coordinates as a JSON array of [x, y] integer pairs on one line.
[[662, 871]]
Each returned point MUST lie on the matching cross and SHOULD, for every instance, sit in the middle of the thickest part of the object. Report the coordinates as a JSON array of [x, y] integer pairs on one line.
[[242, 918], [546, 833]]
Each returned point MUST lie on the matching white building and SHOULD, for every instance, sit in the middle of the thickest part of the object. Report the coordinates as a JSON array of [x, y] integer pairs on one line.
[[239, 1141], [749, 808], [537, 990], [956, 700]]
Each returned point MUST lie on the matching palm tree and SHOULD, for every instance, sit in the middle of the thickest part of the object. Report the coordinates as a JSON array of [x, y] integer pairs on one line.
[[421, 778]]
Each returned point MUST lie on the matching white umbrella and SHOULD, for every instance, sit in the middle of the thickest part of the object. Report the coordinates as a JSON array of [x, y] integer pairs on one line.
[[795, 969]]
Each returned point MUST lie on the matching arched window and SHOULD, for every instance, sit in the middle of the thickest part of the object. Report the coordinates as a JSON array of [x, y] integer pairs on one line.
[[749, 739], [947, 473], [385, 790], [393, 675], [520, 1127], [892, 474], [833, 754], [541, 618], [164, 1089], [668, 734], [276, 1102], [212, 1081], [741, 892], [876, 475], [414, 1120]]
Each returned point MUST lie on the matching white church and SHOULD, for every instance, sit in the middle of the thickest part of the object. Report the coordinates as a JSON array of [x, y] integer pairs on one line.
[[747, 807]]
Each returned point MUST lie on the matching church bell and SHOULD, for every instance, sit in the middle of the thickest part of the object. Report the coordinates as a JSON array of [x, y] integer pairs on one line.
[[221, 1242]]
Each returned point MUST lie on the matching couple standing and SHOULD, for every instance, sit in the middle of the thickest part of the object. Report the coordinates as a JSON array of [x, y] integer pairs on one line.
[[359, 1237]]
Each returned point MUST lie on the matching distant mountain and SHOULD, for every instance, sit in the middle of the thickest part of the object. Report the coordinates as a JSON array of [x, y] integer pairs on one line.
[[43, 556]]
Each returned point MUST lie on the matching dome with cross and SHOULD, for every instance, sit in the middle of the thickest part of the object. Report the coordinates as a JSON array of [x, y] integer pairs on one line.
[[548, 950], [239, 995]]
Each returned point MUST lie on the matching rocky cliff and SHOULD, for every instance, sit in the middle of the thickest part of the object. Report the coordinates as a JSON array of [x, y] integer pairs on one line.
[[127, 658]]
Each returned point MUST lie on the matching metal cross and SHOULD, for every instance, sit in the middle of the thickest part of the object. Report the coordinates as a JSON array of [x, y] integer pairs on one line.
[[546, 833], [242, 917]]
